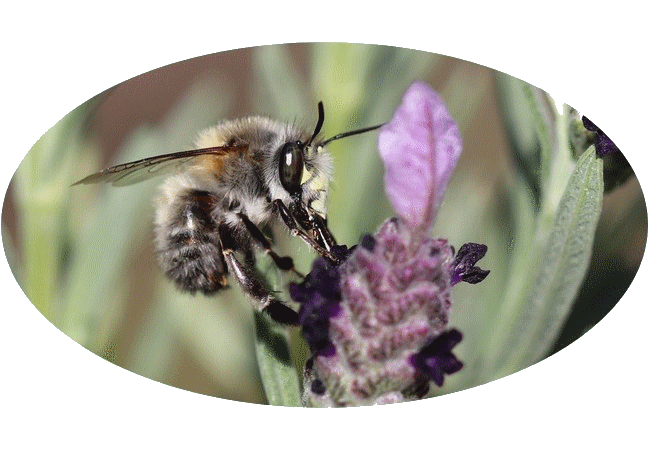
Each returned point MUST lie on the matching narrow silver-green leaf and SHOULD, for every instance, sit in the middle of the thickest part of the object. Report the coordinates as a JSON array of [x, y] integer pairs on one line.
[[274, 359], [518, 118], [544, 117], [564, 261], [520, 130], [514, 260]]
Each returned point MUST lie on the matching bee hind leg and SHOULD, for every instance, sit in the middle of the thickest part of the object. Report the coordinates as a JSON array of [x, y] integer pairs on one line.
[[254, 286]]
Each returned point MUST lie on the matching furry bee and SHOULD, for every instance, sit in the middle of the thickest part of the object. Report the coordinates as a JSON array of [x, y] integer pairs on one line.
[[244, 174]]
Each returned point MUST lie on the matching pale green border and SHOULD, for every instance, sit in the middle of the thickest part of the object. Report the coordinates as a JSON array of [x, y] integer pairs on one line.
[[55, 393]]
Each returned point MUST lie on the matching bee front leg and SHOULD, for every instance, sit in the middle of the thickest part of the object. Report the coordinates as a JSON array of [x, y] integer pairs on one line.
[[254, 285], [295, 229]]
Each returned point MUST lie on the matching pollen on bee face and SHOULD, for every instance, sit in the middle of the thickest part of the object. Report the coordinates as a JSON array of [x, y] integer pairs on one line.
[[306, 175], [318, 186], [318, 183]]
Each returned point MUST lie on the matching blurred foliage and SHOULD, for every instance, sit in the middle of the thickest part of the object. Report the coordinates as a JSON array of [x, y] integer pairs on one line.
[[84, 256]]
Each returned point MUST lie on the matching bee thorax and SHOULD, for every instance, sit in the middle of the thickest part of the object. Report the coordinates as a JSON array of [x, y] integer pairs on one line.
[[258, 210]]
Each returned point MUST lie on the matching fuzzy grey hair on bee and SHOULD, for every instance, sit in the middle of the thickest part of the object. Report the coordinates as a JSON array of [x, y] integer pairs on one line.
[[245, 174]]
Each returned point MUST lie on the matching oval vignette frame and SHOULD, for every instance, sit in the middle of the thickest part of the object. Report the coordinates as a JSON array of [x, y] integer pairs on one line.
[[161, 111]]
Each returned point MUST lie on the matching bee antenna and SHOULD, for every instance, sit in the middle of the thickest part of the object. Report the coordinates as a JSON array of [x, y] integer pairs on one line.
[[351, 133], [319, 124]]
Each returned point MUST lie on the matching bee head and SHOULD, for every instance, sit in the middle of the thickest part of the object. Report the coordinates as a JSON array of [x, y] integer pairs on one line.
[[305, 170]]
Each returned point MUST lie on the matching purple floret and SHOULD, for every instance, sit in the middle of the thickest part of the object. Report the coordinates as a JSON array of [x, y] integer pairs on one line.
[[319, 296], [436, 360], [463, 268]]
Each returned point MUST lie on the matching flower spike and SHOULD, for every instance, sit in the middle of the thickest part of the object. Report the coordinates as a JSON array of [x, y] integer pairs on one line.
[[377, 323]]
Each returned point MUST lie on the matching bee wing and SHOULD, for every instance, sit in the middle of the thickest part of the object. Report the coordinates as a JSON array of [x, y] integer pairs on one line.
[[136, 171]]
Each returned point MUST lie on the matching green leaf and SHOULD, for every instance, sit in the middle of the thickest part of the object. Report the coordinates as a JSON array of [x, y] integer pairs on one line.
[[274, 359], [495, 304], [520, 130], [544, 117], [562, 265]]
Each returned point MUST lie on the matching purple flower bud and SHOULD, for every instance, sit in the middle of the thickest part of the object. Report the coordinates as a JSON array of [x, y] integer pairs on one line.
[[420, 147], [604, 145]]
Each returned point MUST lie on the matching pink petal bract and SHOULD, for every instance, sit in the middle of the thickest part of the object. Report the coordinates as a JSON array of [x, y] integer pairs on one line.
[[420, 147]]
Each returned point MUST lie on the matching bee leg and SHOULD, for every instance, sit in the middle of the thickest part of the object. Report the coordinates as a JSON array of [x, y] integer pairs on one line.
[[291, 223], [283, 262], [254, 285]]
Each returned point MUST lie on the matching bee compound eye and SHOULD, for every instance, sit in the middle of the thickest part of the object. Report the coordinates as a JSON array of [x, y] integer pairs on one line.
[[291, 166]]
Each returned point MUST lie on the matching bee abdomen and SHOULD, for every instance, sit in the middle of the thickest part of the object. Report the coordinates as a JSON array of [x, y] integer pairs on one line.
[[188, 243], [195, 266]]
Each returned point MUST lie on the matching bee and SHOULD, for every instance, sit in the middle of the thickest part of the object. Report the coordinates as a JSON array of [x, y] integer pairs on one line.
[[245, 174]]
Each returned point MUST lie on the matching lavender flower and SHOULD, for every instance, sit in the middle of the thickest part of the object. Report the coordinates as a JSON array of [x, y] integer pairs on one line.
[[377, 323]]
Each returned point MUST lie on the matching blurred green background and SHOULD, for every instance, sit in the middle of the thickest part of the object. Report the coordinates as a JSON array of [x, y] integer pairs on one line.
[[84, 255]]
